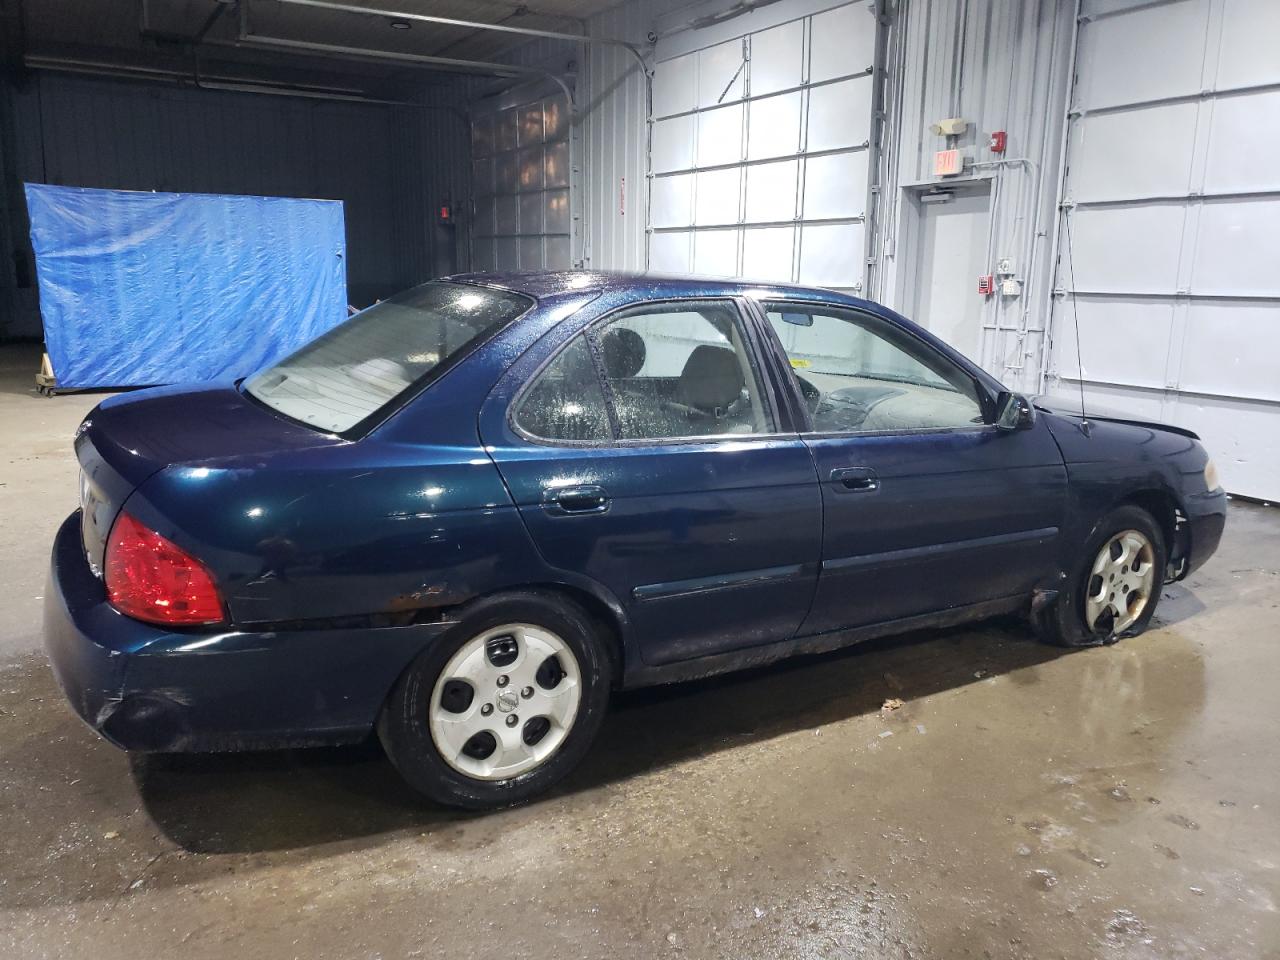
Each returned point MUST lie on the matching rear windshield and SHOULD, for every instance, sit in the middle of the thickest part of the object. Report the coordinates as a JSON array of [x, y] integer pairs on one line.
[[356, 369]]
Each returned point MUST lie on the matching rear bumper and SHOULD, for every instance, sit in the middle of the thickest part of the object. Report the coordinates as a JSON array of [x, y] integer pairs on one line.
[[147, 688], [1206, 515]]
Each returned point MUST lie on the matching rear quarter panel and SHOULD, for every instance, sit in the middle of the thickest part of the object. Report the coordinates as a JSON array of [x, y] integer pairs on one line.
[[369, 529]]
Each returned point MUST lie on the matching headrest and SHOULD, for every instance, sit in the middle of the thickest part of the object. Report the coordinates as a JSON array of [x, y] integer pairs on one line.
[[711, 379], [624, 353]]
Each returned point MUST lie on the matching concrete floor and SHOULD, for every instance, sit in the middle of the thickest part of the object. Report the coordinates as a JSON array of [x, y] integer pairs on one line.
[[1025, 802]]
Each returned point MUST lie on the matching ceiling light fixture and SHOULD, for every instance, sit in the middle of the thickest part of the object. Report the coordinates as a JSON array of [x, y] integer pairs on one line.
[[400, 24]]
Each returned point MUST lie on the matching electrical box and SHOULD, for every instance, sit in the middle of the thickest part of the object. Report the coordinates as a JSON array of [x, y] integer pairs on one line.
[[1010, 287], [947, 163], [1004, 267]]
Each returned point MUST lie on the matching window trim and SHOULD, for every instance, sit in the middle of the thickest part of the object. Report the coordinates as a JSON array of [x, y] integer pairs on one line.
[[755, 357], [985, 400]]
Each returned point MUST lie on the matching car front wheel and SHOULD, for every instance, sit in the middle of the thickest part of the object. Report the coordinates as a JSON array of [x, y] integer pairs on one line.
[[1115, 586], [503, 706]]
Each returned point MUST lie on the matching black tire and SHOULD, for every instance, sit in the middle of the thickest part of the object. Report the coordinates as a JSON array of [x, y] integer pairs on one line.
[[1063, 622], [403, 724]]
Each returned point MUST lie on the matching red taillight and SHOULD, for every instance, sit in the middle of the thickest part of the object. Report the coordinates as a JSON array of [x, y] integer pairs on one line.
[[151, 578]]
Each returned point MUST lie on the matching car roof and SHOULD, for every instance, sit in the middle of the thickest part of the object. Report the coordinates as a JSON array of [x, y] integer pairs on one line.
[[553, 284]]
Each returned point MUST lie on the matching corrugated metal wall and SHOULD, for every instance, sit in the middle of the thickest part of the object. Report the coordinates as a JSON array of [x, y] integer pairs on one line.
[[1002, 65], [390, 165]]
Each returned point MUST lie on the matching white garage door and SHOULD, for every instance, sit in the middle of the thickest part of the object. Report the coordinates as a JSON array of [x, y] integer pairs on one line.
[[520, 185], [1172, 256], [760, 151]]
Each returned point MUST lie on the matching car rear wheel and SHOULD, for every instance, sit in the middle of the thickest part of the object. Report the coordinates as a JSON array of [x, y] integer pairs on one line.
[[503, 705], [1115, 586]]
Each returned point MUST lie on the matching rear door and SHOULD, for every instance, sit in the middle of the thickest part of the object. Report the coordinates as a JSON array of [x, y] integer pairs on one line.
[[650, 454], [927, 506]]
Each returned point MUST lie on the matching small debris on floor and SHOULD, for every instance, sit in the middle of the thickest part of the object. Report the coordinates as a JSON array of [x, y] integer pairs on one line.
[[919, 728], [979, 674], [758, 912], [111, 835], [893, 703], [885, 733]]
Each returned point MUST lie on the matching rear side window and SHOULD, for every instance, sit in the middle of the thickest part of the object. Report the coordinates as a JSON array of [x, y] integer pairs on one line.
[[566, 402], [367, 363], [669, 371]]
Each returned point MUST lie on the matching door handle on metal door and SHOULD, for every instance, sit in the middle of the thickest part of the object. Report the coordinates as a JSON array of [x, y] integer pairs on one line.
[[577, 500], [855, 478]]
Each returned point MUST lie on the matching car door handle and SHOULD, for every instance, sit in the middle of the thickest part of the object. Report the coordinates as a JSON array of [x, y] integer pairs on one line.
[[576, 501], [855, 478]]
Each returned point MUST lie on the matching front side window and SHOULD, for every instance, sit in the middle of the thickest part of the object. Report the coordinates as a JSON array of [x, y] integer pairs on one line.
[[364, 365], [861, 374], [668, 371]]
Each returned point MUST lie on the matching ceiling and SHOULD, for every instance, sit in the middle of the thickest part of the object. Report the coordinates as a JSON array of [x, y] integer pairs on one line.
[[186, 36]]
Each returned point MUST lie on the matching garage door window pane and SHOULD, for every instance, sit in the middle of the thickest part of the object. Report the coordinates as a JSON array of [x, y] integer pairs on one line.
[[859, 374], [566, 402], [682, 371]]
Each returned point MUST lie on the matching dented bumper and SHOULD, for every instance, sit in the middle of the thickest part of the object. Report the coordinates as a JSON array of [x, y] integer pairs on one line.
[[147, 688]]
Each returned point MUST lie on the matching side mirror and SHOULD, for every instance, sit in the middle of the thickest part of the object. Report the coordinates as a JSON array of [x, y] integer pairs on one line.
[[1014, 412]]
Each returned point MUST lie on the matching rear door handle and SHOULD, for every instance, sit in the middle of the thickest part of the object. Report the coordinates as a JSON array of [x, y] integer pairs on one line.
[[861, 479], [576, 501]]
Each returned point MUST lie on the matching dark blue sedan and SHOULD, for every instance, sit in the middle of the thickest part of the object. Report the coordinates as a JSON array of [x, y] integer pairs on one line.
[[467, 515]]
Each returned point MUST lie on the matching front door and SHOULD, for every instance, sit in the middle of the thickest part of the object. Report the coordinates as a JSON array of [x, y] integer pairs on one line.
[[648, 455], [927, 506]]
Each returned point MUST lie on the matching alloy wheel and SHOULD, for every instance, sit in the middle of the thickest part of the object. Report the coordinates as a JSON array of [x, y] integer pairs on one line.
[[1120, 583]]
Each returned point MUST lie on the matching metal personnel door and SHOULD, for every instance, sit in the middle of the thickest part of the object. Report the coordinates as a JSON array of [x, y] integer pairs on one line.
[[762, 149], [1170, 249]]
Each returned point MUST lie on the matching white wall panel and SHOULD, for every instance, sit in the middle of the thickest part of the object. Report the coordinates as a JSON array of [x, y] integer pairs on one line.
[[767, 253], [835, 186], [671, 204], [720, 136], [1126, 249], [1248, 52], [675, 87], [844, 42], [1220, 347], [777, 58], [716, 197], [1152, 52], [771, 193], [1121, 341], [673, 144], [831, 254], [773, 126], [1133, 153], [715, 253], [840, 114], [671, 252], [1252, 119], [1238, 249]]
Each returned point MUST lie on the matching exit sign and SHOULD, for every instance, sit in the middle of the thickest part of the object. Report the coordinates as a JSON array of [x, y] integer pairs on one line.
[[947, 163]]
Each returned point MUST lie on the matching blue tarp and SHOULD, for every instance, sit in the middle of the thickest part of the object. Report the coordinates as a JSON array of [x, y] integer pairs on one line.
[[148, 288]]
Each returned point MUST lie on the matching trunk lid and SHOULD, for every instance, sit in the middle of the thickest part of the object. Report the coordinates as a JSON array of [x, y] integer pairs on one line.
[[128, 438]]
